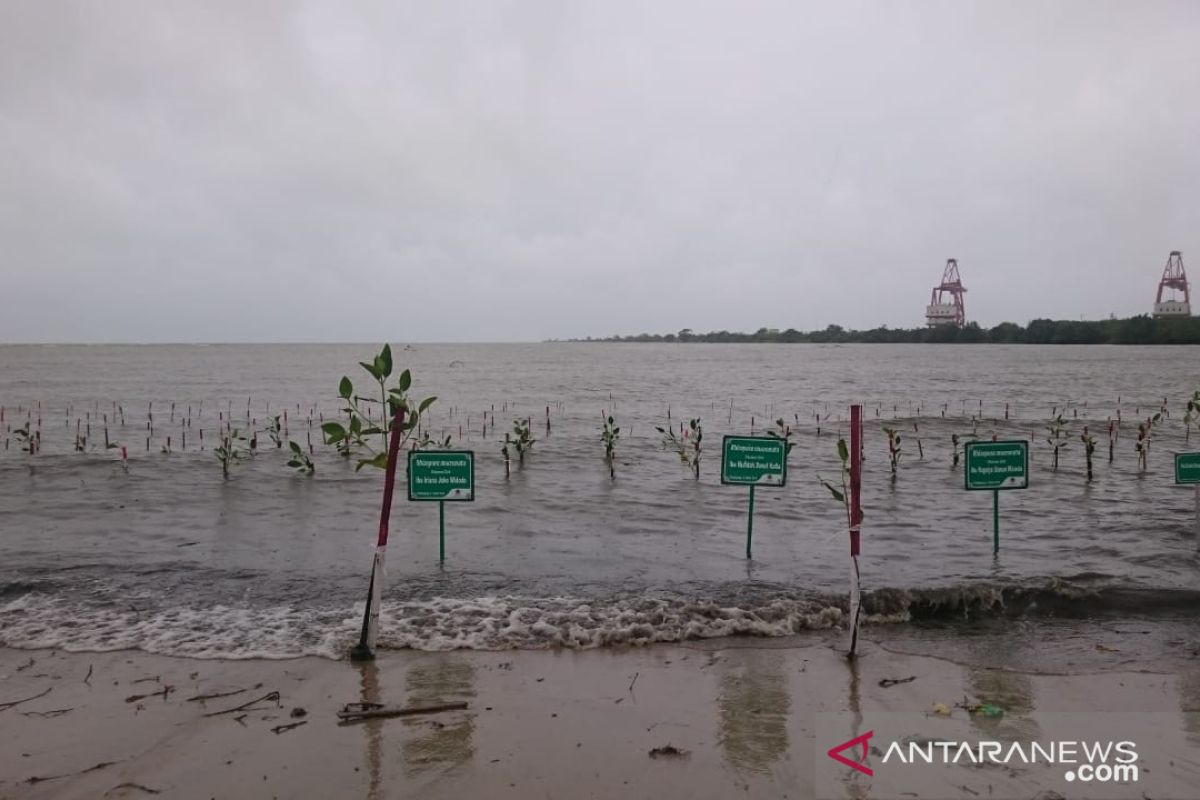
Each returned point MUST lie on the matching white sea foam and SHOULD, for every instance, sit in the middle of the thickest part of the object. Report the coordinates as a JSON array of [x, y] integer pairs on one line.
[[488, 623]]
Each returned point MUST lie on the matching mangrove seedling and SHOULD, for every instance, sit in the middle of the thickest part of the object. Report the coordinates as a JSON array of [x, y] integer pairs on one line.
[[955, 441], [609, 434], [275, 431], [784, 432], [841, 491], [688, 447], [426, 442], [1142, 446], [1192, 416], [893, 448], [1089, 447], [232, 449], [353, 437], [299, 459], [1057, 438], [24, 438], [522, 440]]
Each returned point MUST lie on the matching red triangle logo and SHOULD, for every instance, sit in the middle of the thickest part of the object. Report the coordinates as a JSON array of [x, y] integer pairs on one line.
[[860, 763]]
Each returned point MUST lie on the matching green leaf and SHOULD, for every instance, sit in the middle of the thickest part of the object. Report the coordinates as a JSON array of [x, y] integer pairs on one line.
[[355, 426], [379, 462], [843, 450], [295, 448], [426, 403], [371, 368], [833, 490], [405, 380], [385, 360], [333, 432], [345, 388]]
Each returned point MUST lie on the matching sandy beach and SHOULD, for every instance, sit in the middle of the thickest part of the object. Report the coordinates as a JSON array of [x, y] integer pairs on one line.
[[718, 719]]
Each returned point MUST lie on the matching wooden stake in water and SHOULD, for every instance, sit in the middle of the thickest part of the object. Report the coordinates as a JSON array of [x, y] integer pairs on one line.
[[855, 522], [365, 649]]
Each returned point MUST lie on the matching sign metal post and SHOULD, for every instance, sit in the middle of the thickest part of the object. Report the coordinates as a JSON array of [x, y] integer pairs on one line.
[[995, 467], [1187, 472], [444, 476], [753, 461]]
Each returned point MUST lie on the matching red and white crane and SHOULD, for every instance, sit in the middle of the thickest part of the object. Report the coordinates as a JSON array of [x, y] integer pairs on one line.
[[1174, 285], [946, 301]]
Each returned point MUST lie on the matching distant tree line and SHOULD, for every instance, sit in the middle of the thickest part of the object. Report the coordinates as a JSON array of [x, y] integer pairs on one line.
[[1134, 330]]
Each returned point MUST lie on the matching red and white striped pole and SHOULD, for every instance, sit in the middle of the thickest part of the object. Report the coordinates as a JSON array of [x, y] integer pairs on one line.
[[365, 649], [855, 521]]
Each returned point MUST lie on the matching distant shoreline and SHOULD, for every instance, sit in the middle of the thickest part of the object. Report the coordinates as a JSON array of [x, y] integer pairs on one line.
[[1140, 330]]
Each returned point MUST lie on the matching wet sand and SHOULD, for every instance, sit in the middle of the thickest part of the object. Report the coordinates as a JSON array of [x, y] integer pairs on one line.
[[567, 724]]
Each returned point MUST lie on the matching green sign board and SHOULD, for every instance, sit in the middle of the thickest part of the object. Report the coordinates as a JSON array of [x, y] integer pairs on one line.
[[441, 475], [1187, 467], [997, 465], [754, 461]]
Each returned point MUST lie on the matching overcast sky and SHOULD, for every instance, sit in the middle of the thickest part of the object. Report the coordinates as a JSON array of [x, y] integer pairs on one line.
[[440, 171]]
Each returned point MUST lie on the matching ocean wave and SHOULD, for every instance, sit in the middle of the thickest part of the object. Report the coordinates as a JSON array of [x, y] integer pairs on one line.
[[38, 620]]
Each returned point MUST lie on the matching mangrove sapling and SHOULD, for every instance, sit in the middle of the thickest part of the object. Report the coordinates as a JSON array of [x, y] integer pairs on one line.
[[688, 446], [784, 432], [353, 437], [24, 438], [231, 450], [1057, 438], [609, 434], [275, 431], [956, 440], [1192, 416], [1142, 446], [1089, 447], [522, 440], [893, 448], [426, 442], [841, 493], [299, 460]]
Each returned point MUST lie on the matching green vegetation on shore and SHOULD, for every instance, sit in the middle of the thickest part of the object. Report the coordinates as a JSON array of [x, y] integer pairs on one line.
[[1134, 330]]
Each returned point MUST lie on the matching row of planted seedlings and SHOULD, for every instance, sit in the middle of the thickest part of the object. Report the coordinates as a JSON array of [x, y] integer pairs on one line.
[[167, 434], [356, 434], [364, 415]]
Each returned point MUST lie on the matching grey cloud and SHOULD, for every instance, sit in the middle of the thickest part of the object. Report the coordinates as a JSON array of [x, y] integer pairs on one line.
[[504, 171]]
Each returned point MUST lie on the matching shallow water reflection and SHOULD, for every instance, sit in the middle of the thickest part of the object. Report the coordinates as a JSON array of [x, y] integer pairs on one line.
[[753, 704], [440, 741]]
